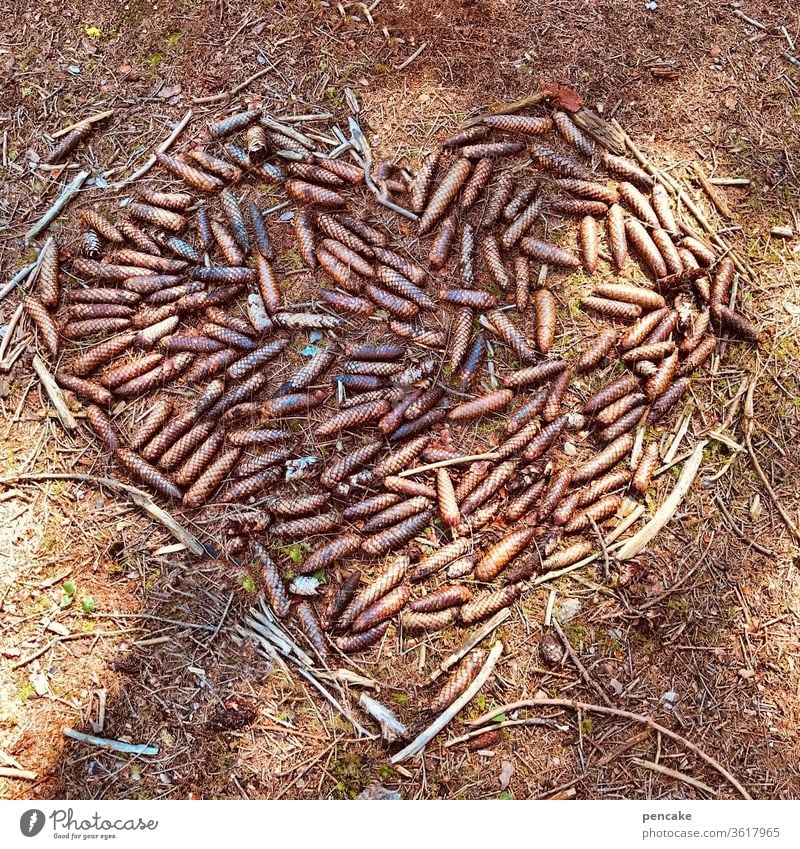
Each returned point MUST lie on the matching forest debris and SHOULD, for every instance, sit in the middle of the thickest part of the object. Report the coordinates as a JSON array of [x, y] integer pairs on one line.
[[622, 714], [54, 393], [469, 644], [392, 730], [444, 719], [70, 190], [643, 537], [112, 745]]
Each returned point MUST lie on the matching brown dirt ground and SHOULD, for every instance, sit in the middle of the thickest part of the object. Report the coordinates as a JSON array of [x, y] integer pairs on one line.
[[703, 616]]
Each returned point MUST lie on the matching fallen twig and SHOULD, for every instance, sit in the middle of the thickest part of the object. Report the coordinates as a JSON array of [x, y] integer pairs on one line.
[[747, 420], [469, 644], [673, 773], [70, 190], [392, 730], [506, 723], [262, 626], [141, 499], [359, 143], [714, 196], [19, 774], [453, 461], [9, 334], [404, 64], [162, 148], [509, 108], [792, 60], [738, 531], [92, 119], [111, 745], [17, 279], [666, 511], [54, 393], [624, 714], [441, 722], [224, 95]]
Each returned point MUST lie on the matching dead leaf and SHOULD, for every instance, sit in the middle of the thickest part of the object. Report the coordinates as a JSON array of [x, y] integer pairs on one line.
[[755, 508], [730, 102], [506, 771], [715, 52], [564, 97]]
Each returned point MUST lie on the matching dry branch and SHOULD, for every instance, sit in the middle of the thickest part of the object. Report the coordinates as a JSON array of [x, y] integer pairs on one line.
[[673, 773], [623, 714], [111, 745], [70, 190], [92, 119], [469, 644]]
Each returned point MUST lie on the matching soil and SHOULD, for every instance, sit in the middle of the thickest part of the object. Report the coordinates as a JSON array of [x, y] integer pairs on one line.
[[702, 632]]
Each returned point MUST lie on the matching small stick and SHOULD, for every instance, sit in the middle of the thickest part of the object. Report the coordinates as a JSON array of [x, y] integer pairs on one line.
[[577, 662], [19, 774], [274, 124], [623, 526], [162, 148], [729, 181], [548, 612], [403, 65], [748, 429], [224, 95], [714, 196], [299, 119], [642, 538], [70, 190], [392, 730], [752, 21], [469, 644], [9, 334], [111, 745], [673, 773], [506, 723], [624, 714], [16, 279], [683, 427], [453, 461], [54, 393], [141, 499], [509, 108], [441, 722], [557, 573], [92, 119]]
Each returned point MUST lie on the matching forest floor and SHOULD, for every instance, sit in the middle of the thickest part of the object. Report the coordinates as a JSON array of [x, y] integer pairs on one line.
[[702, 633]]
